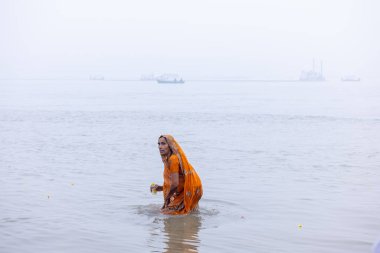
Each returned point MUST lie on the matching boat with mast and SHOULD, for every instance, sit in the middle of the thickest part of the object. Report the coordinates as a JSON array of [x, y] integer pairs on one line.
[[313, 75]]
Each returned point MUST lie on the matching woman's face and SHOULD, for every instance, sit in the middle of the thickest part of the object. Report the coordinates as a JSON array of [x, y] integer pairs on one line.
[[163, 146]]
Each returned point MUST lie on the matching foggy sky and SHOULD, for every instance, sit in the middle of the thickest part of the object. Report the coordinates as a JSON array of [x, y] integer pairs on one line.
[[197, 39]]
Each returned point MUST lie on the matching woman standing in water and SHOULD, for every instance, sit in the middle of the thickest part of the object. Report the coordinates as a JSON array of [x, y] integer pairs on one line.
[[182, 187]]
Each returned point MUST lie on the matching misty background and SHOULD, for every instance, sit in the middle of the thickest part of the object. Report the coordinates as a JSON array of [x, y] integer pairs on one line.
[[197, 39], [289, 167]]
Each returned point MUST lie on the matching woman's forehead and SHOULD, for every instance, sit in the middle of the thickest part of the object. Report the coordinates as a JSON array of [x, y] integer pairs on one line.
[[162, 139]]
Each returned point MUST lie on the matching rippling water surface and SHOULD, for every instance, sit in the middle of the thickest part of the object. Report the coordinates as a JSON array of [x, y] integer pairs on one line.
[[286, 167]]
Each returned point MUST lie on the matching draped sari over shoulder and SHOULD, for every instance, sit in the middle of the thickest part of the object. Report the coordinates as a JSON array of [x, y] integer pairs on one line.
[[189, 190]]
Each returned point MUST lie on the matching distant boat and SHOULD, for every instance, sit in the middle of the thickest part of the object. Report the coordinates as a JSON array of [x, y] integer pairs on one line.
[[169, 78], [350, 79], [312, 75], [171, 81], [148, 77], [96, 77]]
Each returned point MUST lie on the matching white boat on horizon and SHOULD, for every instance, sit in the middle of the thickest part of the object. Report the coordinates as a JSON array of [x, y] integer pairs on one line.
[[170, 78], [350, 78]]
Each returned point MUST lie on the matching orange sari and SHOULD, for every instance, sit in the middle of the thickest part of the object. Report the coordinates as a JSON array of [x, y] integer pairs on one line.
[[189, 190]]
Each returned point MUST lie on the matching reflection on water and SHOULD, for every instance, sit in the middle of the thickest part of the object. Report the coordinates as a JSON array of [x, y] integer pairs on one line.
[[376, 248], [180, 232]]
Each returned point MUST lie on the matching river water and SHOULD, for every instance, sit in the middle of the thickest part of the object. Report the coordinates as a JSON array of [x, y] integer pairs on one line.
[[286, 167]]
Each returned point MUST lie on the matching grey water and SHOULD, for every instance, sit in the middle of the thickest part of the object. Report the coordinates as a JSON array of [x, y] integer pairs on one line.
[[286, 167]]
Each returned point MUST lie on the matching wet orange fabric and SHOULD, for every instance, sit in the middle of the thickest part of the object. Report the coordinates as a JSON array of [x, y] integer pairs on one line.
[[189, 190], [174, 167]]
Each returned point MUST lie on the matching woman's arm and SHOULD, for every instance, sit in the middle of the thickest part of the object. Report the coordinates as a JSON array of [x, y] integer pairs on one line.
[[156, 187]]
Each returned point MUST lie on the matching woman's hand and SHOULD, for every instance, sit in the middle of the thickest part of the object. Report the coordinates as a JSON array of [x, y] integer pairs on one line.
[[155, 188]]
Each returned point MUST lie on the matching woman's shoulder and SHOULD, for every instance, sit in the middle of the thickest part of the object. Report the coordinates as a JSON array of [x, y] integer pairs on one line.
[[174, 163], [173, 158]]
